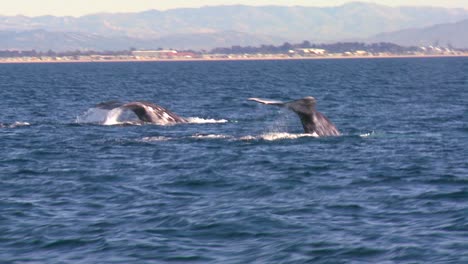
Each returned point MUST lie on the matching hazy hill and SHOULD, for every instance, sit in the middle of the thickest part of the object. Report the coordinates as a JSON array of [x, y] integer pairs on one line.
[[253, 25], [41, 40], [217, 39], [454, 34]]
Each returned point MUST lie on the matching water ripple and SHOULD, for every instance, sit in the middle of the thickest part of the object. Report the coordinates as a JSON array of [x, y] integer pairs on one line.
[[243, 184]]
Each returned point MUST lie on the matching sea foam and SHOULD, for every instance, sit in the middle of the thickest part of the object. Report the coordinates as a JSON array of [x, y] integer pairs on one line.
[[199, 120]]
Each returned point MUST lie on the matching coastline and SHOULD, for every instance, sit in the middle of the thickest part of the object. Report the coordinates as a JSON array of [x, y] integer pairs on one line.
[[219, 58]]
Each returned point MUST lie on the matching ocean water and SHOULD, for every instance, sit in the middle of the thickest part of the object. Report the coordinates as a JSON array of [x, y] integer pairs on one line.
[[240, 183]]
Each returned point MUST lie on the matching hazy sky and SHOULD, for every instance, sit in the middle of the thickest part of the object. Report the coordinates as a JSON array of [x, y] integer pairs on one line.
[[81, 7]]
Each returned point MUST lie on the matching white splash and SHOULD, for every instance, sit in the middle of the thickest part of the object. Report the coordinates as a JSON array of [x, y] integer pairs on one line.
[[278, 136], [92, 115], [122, 116], [15, 124], [116, 116], [266, 137], [112, 117], [198, 120], [370, 134], [155, 139], [211, 136]]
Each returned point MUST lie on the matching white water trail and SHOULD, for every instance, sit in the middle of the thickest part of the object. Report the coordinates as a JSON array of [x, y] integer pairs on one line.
[[212, 136], [277, 136], [15, 124], [199, 120], [155, 139], [370, 134], [265, 137]]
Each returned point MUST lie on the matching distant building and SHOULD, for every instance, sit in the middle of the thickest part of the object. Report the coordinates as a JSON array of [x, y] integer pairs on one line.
[[153, 53], [361, 52], [185, 55], [318, 52], [162, 54]]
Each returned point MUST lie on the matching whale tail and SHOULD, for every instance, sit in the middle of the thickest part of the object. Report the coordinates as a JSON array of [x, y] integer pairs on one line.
[[312, 121], [145, 111]]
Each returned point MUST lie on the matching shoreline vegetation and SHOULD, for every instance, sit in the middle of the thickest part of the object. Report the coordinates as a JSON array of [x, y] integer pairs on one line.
[[301, 51]]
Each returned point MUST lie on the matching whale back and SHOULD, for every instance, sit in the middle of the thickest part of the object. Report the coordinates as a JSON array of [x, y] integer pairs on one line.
[[145, 111], [152, 113]]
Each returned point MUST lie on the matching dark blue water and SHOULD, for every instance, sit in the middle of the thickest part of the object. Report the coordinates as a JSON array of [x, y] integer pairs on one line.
[[247, 187]]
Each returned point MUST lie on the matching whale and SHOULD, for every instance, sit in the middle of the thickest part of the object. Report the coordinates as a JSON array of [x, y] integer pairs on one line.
[[312, 120], [145, 111]]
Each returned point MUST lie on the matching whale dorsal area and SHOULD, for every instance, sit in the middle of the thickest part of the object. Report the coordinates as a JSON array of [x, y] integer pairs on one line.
[[145, 111]]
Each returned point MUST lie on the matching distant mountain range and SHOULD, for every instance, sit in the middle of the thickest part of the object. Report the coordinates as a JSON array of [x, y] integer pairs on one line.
[[447, 35], [209, 27]]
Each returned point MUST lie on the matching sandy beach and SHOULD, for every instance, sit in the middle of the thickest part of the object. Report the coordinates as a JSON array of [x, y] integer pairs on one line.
[[218, 58]]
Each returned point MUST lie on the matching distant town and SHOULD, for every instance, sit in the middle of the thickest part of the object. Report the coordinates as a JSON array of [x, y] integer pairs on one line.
[[304, 50]]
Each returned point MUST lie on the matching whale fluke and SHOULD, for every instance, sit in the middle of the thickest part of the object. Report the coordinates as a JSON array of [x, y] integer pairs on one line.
[[312, 120], [145, 111]]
